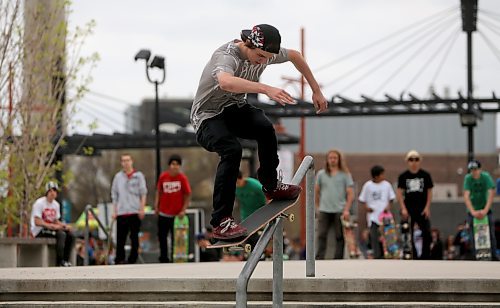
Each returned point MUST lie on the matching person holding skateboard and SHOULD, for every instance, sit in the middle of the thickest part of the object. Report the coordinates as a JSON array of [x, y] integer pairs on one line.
[[221, 114], [173, 194], [377, 196], [334, 195], [479, 190], [414, 196]]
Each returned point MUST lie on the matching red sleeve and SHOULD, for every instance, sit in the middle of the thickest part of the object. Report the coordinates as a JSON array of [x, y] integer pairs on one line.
[[185, 185], [160, 182]]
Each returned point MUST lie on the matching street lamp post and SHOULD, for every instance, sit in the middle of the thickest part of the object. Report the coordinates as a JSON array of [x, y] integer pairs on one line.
[[157, 62]]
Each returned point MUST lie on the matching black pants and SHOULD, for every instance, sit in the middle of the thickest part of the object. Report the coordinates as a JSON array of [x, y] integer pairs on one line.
[[64, 243], [220, 134], [425, 226], [325, 222], [378, 249], [124, 225], [165, 228]]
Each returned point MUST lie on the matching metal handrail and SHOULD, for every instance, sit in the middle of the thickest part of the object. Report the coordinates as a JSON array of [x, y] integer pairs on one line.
[[275, 229], [88, 209]]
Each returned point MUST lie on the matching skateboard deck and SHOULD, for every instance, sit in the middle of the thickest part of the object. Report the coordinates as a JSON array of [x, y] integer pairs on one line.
[[482, 242], [181, 239], [349, 230], [257, 220], [406, 240], [389, 236]]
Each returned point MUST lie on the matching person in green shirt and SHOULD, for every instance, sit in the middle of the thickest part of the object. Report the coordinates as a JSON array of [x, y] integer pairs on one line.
[[250, 198], [479, 190]]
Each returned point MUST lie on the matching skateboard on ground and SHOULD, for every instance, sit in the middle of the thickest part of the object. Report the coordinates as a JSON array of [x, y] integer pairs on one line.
[[482, 242], [389, 236], [349, 229], [406, 237], [256, 221], [181, 239]]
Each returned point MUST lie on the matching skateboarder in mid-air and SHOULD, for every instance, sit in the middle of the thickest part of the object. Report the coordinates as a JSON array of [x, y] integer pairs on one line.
[[221, 114]]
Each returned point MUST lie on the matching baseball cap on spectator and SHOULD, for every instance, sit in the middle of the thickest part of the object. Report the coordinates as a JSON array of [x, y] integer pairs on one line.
[[412, 154], [474, 164], [51, 186], [265, 37]]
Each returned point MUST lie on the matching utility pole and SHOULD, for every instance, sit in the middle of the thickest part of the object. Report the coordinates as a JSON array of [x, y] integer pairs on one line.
[[469, 21]]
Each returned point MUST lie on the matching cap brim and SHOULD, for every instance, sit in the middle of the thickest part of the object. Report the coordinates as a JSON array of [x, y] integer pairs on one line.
[[245, 34]]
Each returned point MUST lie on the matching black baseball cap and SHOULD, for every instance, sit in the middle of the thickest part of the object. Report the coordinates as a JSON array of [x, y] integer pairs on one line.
[[263, 36]]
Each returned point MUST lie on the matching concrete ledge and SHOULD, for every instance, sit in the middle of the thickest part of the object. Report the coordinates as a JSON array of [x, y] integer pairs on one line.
[[25, 252], [342, 280]]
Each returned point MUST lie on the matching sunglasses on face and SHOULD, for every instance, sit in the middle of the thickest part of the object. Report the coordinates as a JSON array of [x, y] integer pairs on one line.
[[413, 159]]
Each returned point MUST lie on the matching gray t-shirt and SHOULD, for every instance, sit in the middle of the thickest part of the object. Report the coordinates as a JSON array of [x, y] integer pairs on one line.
[[210, 99], [333, 190]]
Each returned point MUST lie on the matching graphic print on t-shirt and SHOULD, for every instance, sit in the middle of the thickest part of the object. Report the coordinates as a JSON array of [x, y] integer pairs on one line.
[[414, 185], [49, 215], [171, 187], [377, 195]]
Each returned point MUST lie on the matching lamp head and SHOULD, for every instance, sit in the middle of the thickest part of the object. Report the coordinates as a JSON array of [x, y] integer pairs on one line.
[[143, 54], [158, 62]]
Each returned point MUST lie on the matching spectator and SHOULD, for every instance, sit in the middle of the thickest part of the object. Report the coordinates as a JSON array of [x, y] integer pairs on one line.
[[173, 195], [334, 195], [451, 249], [45, 222], [479, 190], [250, 198], [377, 196], [436, 245], [463, 242], [128, 193], [206, 254], [414, 195]]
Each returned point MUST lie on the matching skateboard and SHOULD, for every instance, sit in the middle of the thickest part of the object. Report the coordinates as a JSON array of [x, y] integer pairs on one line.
[[181, 239], [482, 243], [350, 238], [389, 236], [256, 221], [406, 240]]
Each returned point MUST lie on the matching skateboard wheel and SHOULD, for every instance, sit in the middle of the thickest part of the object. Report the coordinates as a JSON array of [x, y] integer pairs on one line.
[[291, 217], [248, 248]]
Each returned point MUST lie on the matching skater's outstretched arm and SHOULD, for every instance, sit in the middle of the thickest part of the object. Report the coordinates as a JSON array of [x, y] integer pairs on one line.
[[300, 63]]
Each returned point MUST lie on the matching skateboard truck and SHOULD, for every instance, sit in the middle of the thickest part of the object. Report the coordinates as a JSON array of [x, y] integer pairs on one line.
[[247, 248], [290, 217]]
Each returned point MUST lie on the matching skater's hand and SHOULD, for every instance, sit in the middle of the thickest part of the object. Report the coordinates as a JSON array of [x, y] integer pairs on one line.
[[141, 214], [181, 214], [481, 214], [475, 214], [280, 96], [320, 102]]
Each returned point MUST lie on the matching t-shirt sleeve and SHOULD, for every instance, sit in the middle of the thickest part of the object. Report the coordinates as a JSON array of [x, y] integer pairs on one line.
[[489, 181], [186, 188], [143, 190], [349, 182], [319, 176], [281, 57], [392, 195], [362, 194], [159, 184], [467, 183], [430, 184], [58, 211], [224, 62], [401, 182], [37, 210]]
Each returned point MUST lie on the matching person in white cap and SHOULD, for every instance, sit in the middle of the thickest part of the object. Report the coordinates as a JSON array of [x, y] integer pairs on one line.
[[45, 222], [414, 195]]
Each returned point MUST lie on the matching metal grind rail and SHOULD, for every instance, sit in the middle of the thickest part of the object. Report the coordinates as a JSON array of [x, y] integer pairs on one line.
[[275, 229]]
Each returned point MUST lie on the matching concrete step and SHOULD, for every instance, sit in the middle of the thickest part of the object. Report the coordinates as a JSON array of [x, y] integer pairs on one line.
[[356, 281], [261, 304]]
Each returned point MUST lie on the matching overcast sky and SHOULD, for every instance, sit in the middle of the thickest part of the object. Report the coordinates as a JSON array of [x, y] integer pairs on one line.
[[187, 32]]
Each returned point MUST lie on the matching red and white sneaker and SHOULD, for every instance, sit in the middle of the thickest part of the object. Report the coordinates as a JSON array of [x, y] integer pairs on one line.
[[283, 191], [228, 229]]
